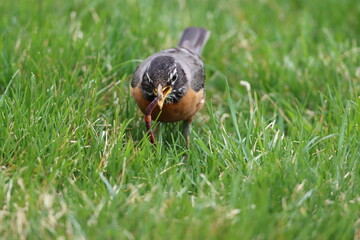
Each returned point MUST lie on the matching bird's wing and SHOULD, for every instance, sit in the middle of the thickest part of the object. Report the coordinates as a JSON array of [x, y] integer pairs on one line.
[[192, 65]]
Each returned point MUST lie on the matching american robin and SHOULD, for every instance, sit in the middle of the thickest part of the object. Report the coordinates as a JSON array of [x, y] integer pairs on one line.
[[176, 77]]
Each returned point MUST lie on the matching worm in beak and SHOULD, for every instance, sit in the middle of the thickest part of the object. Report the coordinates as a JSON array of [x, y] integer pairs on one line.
[[162, 94]]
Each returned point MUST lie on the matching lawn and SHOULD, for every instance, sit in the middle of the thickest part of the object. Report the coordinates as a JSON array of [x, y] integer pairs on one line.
[[275, 153]]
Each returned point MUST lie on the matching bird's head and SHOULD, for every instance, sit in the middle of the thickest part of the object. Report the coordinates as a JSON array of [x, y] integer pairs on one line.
[[164, 79]]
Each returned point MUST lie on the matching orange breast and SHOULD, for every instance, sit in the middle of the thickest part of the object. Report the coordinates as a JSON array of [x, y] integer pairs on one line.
[[187, 107]]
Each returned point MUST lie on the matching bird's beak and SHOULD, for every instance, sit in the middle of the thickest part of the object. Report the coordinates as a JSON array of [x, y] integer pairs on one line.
[[162, 94]]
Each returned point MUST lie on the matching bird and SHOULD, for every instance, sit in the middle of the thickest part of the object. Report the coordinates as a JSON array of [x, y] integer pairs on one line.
[[176, 77]]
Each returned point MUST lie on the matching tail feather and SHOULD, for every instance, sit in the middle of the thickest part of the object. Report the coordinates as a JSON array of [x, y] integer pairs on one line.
[[194, 39]]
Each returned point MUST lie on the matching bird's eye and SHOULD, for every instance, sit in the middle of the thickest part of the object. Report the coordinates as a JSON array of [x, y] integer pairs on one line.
[[174, 77]]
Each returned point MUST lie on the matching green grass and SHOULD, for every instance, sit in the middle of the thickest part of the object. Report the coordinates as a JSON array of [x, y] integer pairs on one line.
[[280, 161]]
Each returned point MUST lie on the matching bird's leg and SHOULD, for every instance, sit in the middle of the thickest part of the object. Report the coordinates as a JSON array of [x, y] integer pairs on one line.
[[186, 131]]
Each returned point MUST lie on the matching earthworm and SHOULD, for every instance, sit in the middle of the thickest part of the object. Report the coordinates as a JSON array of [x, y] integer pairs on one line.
[[148, 112]]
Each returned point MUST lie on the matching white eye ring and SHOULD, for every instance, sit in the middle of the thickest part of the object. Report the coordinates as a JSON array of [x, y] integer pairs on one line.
[[173, 76], [148, 77]]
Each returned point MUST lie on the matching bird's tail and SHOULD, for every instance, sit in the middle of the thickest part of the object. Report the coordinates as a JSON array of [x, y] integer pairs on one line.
[[194, 39]]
